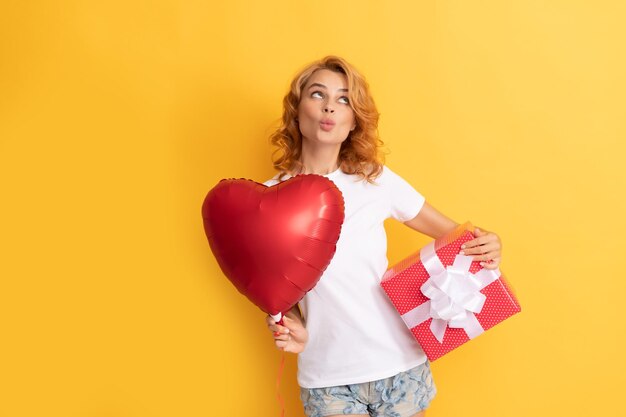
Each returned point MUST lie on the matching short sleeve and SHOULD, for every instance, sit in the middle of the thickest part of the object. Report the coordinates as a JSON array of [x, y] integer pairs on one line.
[[405, 201]]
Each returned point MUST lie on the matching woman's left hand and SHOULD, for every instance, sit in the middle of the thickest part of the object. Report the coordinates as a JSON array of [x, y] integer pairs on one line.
[[486, 246]]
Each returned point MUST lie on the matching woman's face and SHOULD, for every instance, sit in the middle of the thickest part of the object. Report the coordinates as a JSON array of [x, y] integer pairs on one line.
[[324, 112]]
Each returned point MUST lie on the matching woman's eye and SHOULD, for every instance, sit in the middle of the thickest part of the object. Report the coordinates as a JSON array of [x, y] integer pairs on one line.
[[316, 92], [345, 99]]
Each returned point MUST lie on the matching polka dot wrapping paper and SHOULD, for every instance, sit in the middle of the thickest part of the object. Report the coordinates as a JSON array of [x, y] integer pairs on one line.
[[402, 284]]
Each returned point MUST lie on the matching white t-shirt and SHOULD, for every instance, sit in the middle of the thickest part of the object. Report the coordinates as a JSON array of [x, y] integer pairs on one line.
[[355, 334]]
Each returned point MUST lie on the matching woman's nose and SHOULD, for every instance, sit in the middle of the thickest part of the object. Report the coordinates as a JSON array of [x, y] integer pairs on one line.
[[327, 109]]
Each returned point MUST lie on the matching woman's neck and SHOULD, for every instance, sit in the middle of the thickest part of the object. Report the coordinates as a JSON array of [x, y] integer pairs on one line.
[[319, 160]]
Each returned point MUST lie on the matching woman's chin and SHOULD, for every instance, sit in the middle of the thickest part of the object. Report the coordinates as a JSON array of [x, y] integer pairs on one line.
[[325, 140]]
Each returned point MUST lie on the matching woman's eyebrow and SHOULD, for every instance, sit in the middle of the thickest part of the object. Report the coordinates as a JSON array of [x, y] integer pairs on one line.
[[323, 86]]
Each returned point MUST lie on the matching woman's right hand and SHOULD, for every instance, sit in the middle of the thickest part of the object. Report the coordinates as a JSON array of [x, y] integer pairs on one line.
[[292, 337]]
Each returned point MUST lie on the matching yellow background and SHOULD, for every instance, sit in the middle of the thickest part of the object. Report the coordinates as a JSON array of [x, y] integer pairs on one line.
[[116, 118]]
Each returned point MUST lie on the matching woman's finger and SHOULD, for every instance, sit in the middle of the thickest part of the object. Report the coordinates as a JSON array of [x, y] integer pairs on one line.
[[283, 336], [279, 329], [486, 257], [475, 242], [491, 265], [481, 250], [481, 240], [283, 339]]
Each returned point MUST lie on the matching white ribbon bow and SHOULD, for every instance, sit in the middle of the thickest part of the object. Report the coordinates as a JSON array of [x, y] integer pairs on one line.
[[454, 295]]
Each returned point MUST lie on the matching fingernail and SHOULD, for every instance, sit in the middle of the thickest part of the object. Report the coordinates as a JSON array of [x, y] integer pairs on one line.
[[482, 263], [462, 252], [462, 246], [276, 333], [286, 331]]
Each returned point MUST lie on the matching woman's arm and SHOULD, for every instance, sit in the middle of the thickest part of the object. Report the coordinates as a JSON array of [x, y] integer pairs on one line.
[[431, 222], [486, 246]]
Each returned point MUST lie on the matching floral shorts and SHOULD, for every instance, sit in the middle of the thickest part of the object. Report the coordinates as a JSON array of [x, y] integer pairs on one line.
[[401, 395]]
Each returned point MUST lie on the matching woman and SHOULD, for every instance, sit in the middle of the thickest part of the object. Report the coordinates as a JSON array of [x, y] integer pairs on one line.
[[355, 355]]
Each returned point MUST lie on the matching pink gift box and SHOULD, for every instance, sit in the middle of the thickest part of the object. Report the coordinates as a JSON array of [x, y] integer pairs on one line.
[[445, 298]]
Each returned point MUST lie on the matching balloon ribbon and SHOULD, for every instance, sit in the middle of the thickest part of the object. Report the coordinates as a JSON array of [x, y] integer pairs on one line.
[[280, 372]]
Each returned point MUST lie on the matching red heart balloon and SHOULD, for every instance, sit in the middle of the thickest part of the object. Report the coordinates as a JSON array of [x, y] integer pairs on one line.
[[274, 243]]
